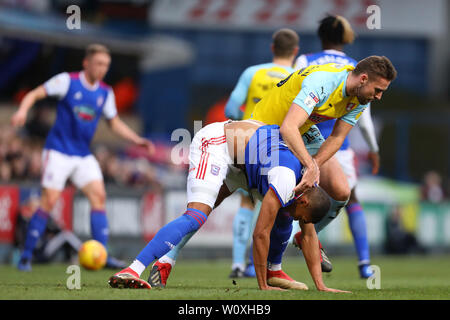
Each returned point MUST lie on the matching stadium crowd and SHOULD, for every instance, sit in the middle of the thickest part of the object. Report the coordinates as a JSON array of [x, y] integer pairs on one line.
[[21, 162]]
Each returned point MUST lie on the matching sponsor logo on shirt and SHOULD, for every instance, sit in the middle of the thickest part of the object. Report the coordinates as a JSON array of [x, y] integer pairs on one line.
[[84, 113], [316, 118], [313, 96]]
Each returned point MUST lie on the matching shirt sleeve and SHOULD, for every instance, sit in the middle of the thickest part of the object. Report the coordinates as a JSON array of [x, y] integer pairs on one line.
[[301, 62], [314, 92], [353, 116], [238, 95], [282, 181], [307, 98], [366, 126], [109, 109], [58, 85]]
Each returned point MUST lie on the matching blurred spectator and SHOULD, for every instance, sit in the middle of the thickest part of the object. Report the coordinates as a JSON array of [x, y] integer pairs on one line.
[[398, 239], [5, 172], [40, 122], [18, 166], [21, 160], [34, 166], [432, 189]]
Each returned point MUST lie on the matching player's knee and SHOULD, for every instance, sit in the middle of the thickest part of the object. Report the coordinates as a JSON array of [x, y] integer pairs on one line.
[[341, 192], [48, 200]]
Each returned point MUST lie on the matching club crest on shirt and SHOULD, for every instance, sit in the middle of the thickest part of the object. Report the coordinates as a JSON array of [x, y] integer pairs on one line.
[[78, 95], [215, 170], [99, 101], [350, 106]]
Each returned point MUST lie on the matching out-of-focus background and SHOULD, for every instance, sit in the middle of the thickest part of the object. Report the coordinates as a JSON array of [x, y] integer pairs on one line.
[[175, 62]]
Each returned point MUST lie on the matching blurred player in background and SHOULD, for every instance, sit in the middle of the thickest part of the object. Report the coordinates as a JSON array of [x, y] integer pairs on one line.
[[252, 85], [334, 33], [83, 99]]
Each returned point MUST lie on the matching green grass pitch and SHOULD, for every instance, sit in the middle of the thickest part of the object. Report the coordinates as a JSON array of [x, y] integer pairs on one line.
[[402, 278]]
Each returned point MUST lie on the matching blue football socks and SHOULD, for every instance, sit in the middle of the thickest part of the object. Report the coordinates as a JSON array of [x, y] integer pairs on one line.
[[99, 226], [279, 237], [358, 227], [171, 234], [35, 230], [173, 254]]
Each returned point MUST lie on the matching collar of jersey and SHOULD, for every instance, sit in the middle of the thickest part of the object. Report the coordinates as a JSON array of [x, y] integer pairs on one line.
[[344, 94], [86, 84], [337, 52]]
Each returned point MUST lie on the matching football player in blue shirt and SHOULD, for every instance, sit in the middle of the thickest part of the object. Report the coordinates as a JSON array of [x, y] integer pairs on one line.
[[226, 156], [83, 99]]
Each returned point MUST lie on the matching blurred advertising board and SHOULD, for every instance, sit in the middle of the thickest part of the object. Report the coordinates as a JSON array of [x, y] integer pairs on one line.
[[141, 215], [9, 204]]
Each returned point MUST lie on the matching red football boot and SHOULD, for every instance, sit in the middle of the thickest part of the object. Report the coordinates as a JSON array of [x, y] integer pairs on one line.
[[159, 274], [282, 280], [127, 278]]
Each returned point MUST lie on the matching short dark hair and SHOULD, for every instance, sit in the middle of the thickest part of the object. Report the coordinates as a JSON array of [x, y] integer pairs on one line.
[[95, 48], [376, 66], [284, 42], [335, 30], [319, 203]]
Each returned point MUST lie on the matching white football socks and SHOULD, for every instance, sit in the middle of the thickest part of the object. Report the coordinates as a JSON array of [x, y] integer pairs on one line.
[[137, 267]]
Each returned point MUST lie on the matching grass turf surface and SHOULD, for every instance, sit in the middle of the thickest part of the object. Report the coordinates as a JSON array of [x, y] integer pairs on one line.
[[418, 277]]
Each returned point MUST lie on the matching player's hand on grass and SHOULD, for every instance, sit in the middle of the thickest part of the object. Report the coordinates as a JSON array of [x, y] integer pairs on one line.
[[325, 289], [374, 158], [19, 118], [310, 179]]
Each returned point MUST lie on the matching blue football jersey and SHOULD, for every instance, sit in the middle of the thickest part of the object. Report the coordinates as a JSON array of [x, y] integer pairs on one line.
[[270, 164], [78, 112], [324, 57]]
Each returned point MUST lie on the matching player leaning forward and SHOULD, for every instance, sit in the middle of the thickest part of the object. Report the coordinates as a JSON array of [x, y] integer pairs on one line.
[[319, 93], [225, 156], [83, 99]]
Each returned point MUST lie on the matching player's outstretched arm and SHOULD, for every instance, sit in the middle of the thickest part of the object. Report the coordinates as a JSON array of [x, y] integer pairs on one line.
[[19, 118], [310, 249], [261, 237], [123, 130], [289, 130]]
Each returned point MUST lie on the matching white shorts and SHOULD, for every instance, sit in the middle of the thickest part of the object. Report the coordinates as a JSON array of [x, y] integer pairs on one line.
[[58, 167], [346, 159], [209, 162]]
